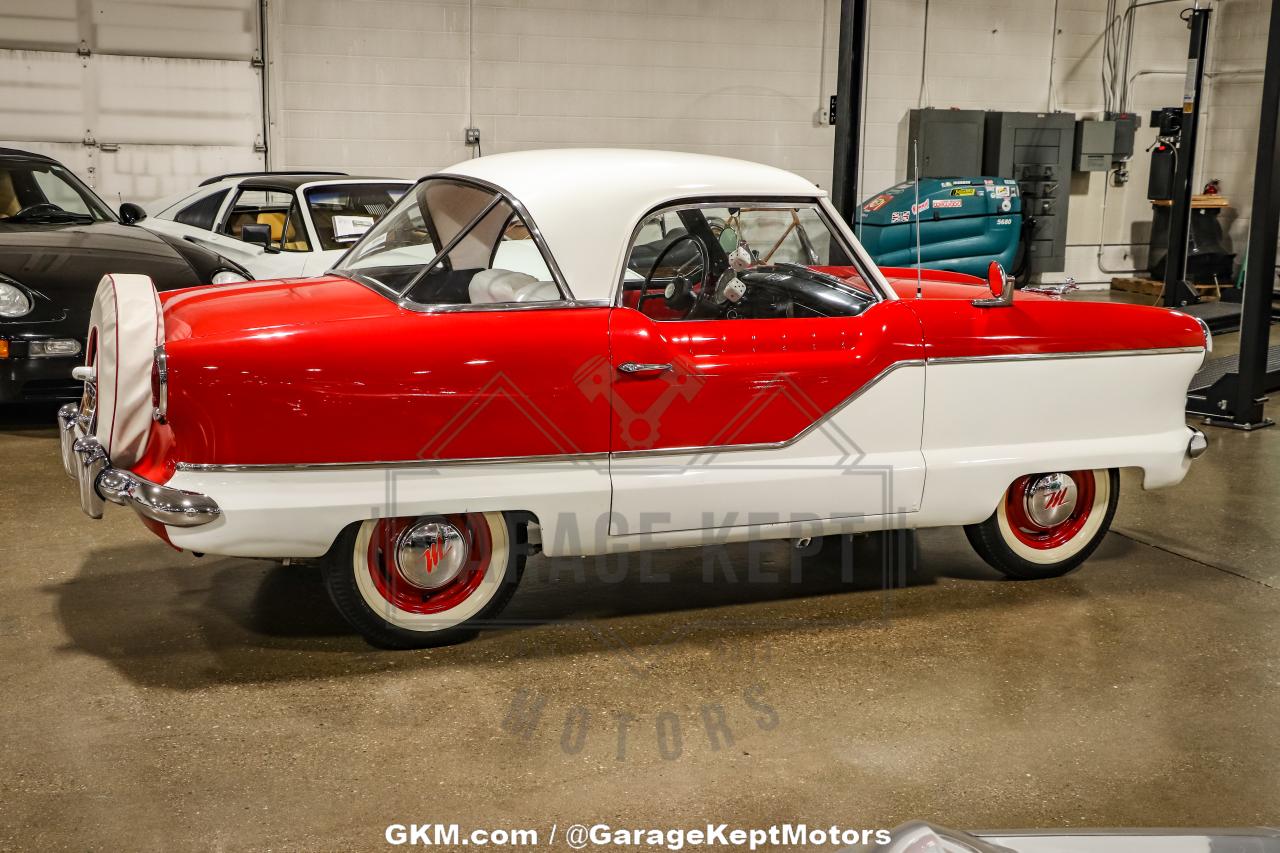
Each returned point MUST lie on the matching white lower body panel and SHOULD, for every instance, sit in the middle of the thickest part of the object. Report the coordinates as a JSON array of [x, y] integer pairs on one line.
[[983, 424], [989, 422]]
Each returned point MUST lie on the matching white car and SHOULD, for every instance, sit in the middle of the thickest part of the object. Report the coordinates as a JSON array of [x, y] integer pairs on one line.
[[279, 224]]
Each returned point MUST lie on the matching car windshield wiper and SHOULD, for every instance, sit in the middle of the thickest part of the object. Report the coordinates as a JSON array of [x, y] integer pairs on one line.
[[50, 216]]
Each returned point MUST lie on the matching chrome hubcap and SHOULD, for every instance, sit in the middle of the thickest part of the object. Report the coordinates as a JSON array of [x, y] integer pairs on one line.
[[1051, 499], [430, 554]]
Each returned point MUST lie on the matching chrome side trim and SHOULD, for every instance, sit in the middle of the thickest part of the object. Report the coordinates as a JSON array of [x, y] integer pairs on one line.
[[1046, 356], [403, 463]]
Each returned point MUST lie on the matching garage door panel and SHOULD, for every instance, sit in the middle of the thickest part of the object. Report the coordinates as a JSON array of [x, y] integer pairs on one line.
[[166, 96], [75, 156], [44, 24], [196, 102], [212, 29], [41, 95]]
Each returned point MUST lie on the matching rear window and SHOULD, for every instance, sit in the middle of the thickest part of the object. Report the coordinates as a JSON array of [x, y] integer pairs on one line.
[[202, 213]]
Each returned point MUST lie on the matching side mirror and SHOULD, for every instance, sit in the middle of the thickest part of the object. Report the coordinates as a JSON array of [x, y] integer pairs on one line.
[[131, 214], [1001, 287], [259, 235]]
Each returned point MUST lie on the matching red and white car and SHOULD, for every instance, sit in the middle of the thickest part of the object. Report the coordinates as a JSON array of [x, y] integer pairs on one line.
[[593, 352]]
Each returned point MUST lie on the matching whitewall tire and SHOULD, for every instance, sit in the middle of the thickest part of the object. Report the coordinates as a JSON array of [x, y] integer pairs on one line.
[[412, 582], [1047, 524]]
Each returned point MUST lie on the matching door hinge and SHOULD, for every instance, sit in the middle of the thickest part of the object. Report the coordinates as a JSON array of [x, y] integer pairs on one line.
[[259, 146], [89, 141], [83, 49]]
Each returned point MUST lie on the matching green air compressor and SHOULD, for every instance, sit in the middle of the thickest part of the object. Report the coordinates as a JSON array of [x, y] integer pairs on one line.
[[965, 224]]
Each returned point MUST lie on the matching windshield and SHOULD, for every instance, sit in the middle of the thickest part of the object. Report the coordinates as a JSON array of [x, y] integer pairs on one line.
[[45, 192], [342, 213], [451, 242]]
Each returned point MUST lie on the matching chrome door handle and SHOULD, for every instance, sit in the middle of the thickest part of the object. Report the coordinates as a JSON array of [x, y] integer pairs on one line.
[[633, 367]]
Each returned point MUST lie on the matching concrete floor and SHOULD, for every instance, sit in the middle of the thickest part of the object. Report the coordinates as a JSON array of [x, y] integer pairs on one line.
[[155, 701]]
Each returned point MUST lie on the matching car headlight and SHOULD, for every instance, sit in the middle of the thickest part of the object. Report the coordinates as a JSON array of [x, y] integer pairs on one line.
[[227, 277], [13, 302]]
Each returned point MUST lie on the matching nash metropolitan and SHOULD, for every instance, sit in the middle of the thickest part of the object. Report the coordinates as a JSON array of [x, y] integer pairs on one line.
[[593, 352]]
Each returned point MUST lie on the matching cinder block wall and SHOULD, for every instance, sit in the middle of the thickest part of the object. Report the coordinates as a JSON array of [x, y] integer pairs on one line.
[[387, 87]]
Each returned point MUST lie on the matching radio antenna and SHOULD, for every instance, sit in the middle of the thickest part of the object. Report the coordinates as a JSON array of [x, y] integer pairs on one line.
[[915, 210]]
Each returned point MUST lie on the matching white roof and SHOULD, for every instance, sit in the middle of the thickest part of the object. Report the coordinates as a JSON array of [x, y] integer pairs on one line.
[[586, 202]]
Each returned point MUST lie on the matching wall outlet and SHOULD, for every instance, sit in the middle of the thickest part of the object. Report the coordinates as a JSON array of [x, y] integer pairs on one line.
[[473, 136]]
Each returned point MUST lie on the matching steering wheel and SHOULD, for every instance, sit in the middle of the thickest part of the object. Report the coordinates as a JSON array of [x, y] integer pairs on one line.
[[38, 206], [676, 293]]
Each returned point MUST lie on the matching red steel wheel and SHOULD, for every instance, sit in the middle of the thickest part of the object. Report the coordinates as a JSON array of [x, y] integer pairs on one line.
[[428, 580], [1047, 523]]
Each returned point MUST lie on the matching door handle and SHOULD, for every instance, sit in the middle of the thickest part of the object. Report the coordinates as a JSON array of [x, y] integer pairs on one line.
[[635, 367]]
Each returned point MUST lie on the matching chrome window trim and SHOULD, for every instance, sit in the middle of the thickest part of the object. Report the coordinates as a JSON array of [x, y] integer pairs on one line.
[[505, 306], [567, 300], [769, 202]]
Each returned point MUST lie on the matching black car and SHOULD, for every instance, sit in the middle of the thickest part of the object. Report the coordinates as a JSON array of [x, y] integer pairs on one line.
[[57, 240]]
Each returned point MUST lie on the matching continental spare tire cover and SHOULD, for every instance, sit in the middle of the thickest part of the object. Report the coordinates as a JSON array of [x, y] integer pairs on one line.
[[125, 327]]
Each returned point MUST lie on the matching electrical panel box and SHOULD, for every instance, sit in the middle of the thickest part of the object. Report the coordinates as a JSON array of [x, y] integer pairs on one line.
[[1036, 150], [950, 143], [1127, 125], [1095, 145]]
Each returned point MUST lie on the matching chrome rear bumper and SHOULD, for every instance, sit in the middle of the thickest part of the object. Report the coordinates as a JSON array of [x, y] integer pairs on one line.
[[86, 462], [1197, 444]]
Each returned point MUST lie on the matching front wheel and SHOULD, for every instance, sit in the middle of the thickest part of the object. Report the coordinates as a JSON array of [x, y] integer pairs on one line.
[[1047, 524], [407, 583]]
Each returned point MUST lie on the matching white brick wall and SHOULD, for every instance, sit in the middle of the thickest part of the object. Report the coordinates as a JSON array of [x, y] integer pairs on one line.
[[387, 87]]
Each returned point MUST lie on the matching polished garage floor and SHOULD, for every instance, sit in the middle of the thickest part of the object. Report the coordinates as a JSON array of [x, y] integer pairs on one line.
[[152, 700]]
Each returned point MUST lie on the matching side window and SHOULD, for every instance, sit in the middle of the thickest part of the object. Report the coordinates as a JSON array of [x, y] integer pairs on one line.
[[745, 260], [274, 208], [453, 243], [202, 213]]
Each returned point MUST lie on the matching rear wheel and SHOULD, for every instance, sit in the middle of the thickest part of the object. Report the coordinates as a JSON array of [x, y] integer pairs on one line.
[[1047, 524], [430, 580]]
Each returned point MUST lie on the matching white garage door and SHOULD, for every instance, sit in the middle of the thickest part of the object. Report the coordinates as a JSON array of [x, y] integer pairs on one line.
[[141, 98]]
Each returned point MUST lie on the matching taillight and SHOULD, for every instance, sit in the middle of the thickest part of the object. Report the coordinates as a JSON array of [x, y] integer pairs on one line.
[[160, 385]]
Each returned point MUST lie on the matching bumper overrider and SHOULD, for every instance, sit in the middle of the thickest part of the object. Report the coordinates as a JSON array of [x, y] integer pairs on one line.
[[86, 462]]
